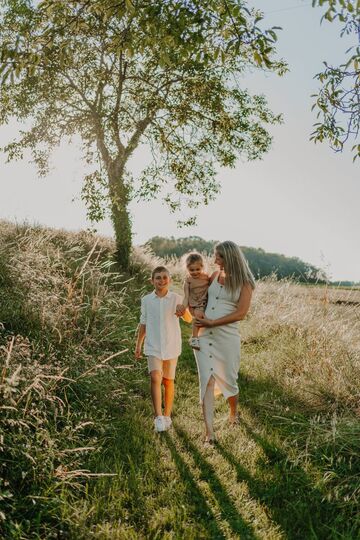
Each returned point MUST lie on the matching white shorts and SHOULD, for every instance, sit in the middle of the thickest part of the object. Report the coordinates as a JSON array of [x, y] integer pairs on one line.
[[167, 367]]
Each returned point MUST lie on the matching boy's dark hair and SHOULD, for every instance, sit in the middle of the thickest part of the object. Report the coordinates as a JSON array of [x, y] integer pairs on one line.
[[192, 258], [159, 269]]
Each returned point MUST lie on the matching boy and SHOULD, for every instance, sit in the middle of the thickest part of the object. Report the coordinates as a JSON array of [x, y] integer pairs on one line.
[[159, 326]]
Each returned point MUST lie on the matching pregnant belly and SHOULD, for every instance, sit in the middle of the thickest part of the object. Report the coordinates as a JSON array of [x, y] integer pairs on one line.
[[224, 332]]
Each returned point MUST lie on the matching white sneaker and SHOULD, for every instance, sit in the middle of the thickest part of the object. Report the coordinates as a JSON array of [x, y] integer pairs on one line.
[[194, 343], [167, 422], [159, 424]]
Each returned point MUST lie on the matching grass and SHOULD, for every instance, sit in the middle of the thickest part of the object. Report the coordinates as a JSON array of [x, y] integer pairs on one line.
[[80, 458]]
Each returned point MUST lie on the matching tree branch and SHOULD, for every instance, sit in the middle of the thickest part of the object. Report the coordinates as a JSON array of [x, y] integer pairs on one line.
[[115, 114], [80, 92], [135, 138]]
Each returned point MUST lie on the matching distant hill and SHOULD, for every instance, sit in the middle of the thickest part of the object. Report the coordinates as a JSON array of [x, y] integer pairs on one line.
[[261, 263]]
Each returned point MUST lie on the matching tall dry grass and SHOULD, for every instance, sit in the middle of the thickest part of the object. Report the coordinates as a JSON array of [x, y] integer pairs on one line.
[[303, 342], [66, 321], [318, 334]]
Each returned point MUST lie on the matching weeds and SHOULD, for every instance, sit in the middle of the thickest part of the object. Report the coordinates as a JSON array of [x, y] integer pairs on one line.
[[78, 456], [64, 319]]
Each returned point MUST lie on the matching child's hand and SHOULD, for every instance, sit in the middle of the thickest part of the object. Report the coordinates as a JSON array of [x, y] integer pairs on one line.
[[180, 310], [138, 353]]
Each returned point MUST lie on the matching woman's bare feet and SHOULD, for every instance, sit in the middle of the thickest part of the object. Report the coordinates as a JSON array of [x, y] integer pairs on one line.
[[209, 440], [234, 420]]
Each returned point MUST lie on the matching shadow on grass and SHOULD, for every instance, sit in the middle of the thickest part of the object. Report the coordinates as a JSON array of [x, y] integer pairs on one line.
[[292, 499], [228, 511], [202, 511], [288, 497], [133, 453], [188, 361]]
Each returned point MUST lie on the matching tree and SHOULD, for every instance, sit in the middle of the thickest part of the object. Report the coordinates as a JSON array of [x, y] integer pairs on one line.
[[119, 73], [338, 100], [164, 247]]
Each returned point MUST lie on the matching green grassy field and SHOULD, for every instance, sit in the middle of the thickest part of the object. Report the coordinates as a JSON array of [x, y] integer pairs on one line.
[[80, 458]]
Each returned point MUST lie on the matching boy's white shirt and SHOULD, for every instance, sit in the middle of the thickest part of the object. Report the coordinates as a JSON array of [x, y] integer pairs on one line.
[[163, 335]]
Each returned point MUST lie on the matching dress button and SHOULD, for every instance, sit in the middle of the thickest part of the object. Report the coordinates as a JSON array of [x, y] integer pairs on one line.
[[211, 369], [210, 343], [216, 298], [210, 356], [210, 333], [212, 308]]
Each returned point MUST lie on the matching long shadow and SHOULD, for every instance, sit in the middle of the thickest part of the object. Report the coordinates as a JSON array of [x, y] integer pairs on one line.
[[136, 456], [188, 361], [228, 510], [289, 494], [201, 510]]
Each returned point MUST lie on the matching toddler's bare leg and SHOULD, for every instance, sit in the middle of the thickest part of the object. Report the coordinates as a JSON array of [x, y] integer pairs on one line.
[[199, 314]]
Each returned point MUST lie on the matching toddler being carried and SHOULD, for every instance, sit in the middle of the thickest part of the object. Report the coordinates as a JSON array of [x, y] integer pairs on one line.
[[196, 287]]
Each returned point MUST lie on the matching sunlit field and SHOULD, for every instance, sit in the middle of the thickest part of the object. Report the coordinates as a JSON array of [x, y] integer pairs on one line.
[[79, 458]]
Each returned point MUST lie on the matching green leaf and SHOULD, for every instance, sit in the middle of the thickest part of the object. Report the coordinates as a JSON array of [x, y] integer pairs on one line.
[[129, 6], [258, 59]]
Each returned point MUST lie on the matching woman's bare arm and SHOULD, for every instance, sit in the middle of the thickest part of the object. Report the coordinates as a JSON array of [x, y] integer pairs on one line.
[[213, 276], [237, 315]]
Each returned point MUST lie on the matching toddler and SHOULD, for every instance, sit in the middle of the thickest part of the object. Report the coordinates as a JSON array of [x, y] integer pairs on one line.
[[196, 286]]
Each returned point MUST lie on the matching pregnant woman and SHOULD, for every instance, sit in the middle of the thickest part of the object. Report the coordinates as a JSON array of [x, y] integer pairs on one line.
[[218, 359]]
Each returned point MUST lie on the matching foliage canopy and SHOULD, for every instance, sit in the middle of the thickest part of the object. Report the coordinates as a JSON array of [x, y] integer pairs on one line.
[[338, 101], [119, 74]]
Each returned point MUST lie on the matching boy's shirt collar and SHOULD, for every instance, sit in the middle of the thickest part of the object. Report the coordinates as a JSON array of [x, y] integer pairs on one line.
[[154, 295]]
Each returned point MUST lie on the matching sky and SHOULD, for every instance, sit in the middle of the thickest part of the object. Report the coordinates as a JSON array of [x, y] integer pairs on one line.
[[300, 200]]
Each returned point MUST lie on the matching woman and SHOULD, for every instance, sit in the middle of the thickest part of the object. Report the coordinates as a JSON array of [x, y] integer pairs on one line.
[[218, 359]]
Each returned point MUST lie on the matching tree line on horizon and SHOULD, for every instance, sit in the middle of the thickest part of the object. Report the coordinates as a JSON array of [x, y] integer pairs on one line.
[[262, 263]]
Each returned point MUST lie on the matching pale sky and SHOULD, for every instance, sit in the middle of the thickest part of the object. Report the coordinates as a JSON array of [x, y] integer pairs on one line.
[[300, 200]]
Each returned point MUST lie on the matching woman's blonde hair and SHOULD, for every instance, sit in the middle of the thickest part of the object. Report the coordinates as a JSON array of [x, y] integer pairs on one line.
[[236, 267]]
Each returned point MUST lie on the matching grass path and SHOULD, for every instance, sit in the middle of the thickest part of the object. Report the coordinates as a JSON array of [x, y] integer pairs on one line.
[[252, 484]]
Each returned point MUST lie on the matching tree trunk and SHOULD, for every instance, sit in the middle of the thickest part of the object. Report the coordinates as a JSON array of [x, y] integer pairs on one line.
[[118, 191], [119, 195]]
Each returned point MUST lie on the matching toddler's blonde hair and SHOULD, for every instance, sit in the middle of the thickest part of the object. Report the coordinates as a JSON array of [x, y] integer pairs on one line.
[[193, 257]]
